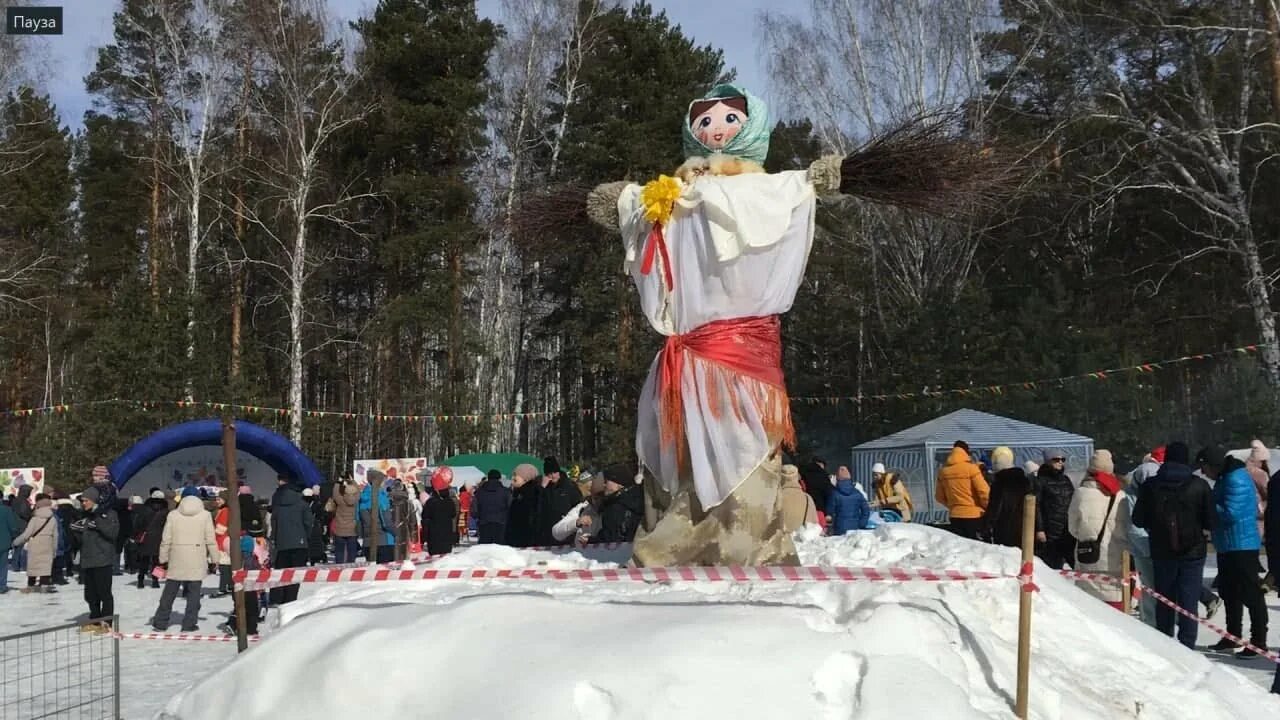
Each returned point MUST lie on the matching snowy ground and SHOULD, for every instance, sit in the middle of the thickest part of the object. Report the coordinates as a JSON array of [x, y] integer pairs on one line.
[[597, 651]]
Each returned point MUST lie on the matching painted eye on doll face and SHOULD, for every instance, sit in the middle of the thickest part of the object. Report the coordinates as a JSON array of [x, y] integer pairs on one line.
[[718, 125]]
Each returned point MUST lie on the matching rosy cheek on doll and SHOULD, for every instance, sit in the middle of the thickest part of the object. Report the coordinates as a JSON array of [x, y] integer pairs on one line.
[[718, 125]]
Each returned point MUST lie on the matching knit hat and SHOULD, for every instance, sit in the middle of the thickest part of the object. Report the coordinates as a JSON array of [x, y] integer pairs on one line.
[[1051, 453], [494, 475], [1030, 467], [190, 491], [751, 142], [620, 473], [877, 468], [1259, 452], [1177, 452], [92, 494], [306, 492], [244, 490], [100, 473], [135, 500], [550, 465], [442, 479], [525, 471], [1001, 458], [157, 495], [1158, 454], [1101, 462]]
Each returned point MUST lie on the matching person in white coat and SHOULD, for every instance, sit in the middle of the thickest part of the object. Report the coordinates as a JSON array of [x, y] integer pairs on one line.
[[187, 550], [1098, 518]]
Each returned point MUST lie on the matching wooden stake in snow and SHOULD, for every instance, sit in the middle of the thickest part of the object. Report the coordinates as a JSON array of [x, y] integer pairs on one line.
[[1126, 584], [234, 524], [1024, 606]]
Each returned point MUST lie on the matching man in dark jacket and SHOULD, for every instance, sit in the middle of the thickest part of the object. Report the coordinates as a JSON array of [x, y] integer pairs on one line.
[[1176, 509], [291, 521], [97, 531], [559, 495], [1053, 498], [23, 507], [489, 506], [622, 508]]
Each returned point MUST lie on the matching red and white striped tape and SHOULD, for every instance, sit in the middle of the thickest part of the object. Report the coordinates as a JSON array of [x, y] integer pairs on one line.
[[258, 579], [1092, 577], [1263, 652], [590, 546], [182, 637]]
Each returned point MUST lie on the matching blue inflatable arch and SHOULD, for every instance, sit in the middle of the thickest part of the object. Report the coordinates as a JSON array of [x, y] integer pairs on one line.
[[275, 450]]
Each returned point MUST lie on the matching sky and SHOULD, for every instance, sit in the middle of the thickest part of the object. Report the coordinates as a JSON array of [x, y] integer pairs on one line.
[[65, 60]]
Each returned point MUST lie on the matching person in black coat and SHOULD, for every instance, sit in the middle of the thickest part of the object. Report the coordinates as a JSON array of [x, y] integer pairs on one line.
[[148, 530], [1010, 486], [817, 482], [490, 504], [622, 508], [291, 523], [525, 490], [316, 554], [440, 518], [559, 496], [1053, 499]]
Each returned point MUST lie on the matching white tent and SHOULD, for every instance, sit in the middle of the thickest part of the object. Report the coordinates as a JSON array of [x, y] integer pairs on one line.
[[917, 453]]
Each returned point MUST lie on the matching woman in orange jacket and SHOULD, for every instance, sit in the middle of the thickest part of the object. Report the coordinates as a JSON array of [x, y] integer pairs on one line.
[[963, 489]]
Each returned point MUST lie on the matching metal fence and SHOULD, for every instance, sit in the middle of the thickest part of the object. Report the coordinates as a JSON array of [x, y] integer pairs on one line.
[[67, 671]]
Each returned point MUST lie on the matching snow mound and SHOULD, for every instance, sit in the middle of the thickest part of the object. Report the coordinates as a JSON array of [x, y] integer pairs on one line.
[[614, 650]]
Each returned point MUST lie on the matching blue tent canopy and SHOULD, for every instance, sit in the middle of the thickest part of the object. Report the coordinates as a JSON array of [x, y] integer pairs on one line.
[[275, 450], [917, 453]]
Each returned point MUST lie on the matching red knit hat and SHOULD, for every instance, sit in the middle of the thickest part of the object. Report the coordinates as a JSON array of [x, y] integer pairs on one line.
[[442, 479], [1158, 454]]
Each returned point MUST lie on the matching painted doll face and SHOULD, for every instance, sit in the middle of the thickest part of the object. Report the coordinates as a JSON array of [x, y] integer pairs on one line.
[[715, 126]]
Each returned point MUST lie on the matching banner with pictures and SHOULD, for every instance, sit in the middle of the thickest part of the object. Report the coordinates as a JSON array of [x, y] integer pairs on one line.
[[405, 469], [13, 478]]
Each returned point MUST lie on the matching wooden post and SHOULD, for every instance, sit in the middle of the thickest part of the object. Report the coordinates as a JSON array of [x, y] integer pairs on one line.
[[1126, 583], [234, 524], [1024, 608]]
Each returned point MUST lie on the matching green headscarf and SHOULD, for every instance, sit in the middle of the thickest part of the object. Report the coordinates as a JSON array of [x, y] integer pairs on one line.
[[751, 143]]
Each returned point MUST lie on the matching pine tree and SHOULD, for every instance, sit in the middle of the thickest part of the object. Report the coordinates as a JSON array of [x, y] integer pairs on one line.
[[425, 65], [634, 87]]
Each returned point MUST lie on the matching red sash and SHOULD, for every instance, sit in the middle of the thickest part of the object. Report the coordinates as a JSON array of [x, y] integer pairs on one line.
[[750, 346]]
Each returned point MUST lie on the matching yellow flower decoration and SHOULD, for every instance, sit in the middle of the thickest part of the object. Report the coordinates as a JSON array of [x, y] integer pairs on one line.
[[659, 197]]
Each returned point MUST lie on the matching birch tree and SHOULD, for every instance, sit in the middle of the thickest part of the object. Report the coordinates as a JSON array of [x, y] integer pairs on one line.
[[1178, 85], [301, 100], [856, 69]]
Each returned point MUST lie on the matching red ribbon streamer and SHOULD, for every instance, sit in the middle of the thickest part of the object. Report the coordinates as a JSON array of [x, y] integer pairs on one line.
[[657, 243], [1024, 577]]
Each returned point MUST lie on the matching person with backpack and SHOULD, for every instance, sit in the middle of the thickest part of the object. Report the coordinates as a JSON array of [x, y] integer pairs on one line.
[[1176, 509], [1098, 519], [1236, 539]]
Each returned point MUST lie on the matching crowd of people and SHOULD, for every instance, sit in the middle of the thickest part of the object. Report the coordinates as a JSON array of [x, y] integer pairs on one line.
[[1164, 513], [172, 540]]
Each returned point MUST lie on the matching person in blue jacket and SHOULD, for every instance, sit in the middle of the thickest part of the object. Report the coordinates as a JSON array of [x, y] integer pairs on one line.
[[385, 542], [1237, 541], [847, 507]]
